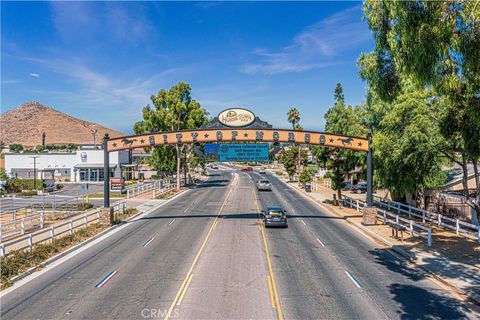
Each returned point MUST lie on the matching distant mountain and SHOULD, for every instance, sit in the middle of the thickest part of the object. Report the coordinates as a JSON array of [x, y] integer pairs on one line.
[[26, 123]]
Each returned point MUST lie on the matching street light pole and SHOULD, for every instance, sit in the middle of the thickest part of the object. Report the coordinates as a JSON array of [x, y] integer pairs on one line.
[[35, 171]]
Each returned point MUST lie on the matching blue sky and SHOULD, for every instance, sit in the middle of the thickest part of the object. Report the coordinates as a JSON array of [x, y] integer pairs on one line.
[[101, 61]]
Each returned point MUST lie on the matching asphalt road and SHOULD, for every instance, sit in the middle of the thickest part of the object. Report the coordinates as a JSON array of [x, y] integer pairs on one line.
[[204, 256]]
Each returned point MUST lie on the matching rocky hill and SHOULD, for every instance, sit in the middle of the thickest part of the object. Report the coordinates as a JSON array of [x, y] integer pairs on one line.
[[26, 123]]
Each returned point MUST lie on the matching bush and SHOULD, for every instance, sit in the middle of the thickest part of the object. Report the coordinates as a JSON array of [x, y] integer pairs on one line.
[[18, 185], [279, 173], [16, 147], [28, 193], [84, 206], [59, 186]]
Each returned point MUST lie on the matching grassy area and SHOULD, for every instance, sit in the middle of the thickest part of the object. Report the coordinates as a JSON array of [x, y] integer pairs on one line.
[[112, 195], [128, 213], [20, 261]]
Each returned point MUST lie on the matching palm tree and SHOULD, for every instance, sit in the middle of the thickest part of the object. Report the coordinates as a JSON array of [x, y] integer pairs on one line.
[[293, 116]]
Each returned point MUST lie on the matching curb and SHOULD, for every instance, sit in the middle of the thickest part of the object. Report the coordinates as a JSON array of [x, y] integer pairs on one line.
[[474, 297], [84, 243]]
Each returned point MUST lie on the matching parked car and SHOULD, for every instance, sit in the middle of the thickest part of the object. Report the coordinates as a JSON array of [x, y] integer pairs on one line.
[[214, 166], [346, 185], [275, 217], [359, 188], [247, 169], [264, 185]]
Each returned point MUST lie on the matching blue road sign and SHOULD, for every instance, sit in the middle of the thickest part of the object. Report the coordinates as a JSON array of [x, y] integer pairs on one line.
[[257, 152]]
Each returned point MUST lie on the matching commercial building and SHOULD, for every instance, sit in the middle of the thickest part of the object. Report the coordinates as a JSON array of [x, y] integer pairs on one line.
[[76, 166]]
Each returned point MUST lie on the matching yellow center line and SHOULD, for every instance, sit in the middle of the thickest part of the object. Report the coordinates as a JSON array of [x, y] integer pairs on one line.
[[269, 263], [185, 283], [183, 293], [270, 292]]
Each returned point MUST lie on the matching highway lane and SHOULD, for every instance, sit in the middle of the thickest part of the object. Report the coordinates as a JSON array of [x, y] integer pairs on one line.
[[230, 280], [203, 256], [145, 278], [326, 269]]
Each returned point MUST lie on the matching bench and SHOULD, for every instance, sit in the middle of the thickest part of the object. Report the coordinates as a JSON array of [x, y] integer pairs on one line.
[[396, 228]]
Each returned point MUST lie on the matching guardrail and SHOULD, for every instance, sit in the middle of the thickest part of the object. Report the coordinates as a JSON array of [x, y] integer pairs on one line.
[[46, 234], [460, 227], [389, 217]]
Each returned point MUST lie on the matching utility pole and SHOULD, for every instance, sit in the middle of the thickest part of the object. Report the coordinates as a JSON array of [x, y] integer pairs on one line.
[[94, 132], [34, 171]]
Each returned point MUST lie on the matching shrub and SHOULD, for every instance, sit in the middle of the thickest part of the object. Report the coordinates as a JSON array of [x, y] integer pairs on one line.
[[16, 147], [279, 173], [18, 185], [28, 193], [84, 206]]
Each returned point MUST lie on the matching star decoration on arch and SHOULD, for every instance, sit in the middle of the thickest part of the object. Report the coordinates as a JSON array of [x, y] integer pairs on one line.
[[206, 135], [142, 141], [331, 140], [360, 144], [114, 144], [245, 135]]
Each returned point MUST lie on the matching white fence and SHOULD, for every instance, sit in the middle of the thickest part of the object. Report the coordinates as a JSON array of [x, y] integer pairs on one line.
[[410, 225], [460, 227], [159, 191], [20, 225], [48, 234], [135, 191]]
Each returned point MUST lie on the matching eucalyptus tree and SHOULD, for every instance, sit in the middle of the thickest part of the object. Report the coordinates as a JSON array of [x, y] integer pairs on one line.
[[434, 44], [173, 110], [293, 116]]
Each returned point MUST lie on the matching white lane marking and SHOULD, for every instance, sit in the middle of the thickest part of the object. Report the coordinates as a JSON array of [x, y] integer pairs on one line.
[[106, 279], [319, 241], [353, 279], [185, 210], [303, 222], [148, 242], [171, 222]]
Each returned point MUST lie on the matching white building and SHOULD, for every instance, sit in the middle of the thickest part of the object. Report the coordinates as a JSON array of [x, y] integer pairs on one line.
[[79, 165]]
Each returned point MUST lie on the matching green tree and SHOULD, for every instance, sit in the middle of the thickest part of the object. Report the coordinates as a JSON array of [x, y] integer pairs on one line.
[[16, 147], [434, 44], [305, 177], [293, 116], [406, 146], [174, 110], [290, 157], [344, 120], [3, 174]]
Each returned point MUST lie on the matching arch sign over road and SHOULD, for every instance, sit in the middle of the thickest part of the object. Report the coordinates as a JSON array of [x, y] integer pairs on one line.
[[236, 125]]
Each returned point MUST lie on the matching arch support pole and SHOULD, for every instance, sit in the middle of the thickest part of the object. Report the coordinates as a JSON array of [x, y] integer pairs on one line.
[[369, 172]]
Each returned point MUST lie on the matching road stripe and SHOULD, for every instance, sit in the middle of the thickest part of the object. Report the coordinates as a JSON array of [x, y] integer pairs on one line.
[[270, 292], [148, 241], [269, 263], [184, 283], [353, 279], [184, 290], [185, 210], [171, 222], [303, 222], [106, 279], [319, 241]]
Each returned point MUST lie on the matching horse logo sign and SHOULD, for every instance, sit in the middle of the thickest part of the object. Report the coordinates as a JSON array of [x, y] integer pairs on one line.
[[236, 117]]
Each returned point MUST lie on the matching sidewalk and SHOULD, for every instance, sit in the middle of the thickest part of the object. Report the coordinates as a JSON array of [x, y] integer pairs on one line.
[[452, 259]]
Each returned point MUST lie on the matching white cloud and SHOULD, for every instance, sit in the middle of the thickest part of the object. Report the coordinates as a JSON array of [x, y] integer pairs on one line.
[[319, 45], [34, 75]]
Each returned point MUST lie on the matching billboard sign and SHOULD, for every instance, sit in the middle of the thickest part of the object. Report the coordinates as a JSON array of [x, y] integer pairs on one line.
[[245, 152]]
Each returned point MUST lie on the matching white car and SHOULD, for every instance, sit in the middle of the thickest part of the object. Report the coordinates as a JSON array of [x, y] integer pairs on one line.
[[262, 171]]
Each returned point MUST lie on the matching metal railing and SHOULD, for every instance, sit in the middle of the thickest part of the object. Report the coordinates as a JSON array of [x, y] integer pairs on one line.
[[50, 233], [460, 227], [414, 228], [160, 191]]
